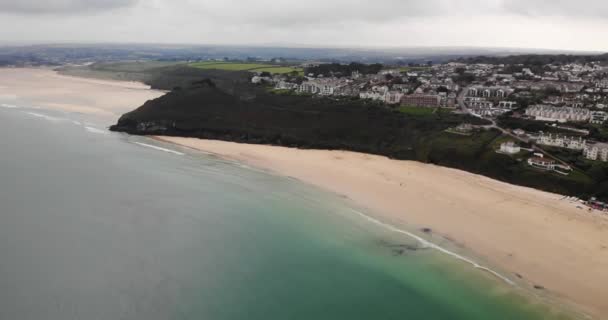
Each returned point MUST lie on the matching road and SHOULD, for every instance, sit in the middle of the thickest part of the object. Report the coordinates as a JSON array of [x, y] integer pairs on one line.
[[463, 106]]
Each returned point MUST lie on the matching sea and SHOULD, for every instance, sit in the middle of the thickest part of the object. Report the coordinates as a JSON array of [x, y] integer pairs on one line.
[[102, 225]]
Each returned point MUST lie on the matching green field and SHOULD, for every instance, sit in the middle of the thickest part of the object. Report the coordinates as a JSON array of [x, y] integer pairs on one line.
[[416, 111], [252, 67]]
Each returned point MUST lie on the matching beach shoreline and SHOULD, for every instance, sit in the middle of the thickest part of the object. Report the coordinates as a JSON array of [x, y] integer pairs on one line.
[[545, 243]]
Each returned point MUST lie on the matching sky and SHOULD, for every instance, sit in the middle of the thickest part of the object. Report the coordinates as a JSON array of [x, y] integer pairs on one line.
[[544, 24]]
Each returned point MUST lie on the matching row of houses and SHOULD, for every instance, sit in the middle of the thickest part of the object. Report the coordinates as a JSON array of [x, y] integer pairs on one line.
[[591, 151], [596, 152], [489, 92], [396, 97], [572, 143], [486, 108], [558, 114]]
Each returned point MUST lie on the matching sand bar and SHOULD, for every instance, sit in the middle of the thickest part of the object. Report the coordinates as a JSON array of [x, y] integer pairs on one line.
[[535, 235], [38, 87]]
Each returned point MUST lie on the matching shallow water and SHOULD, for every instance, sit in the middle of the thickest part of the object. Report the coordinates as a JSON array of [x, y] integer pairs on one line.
[[98, 225]]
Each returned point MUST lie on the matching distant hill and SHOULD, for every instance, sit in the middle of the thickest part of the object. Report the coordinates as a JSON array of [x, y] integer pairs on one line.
[[61, 54], [535, 59]]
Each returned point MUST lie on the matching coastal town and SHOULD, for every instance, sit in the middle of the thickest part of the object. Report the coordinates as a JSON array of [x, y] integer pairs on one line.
[[553, 114]]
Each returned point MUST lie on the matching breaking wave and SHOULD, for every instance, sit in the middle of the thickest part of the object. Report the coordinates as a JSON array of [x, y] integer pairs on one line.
[[95, 130], [159, 148], [431, 245], [44, 116]]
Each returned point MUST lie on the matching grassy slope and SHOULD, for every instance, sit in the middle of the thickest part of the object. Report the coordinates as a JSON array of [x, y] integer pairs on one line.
[[253, 67]]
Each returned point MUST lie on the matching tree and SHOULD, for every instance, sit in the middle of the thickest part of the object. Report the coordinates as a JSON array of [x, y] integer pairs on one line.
[[443, 89], [597, 172]]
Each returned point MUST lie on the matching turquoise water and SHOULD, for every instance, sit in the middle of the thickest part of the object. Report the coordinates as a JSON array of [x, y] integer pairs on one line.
[[95, 226]]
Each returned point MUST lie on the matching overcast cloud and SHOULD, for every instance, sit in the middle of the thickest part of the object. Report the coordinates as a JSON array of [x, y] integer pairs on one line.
[[61, 6], [555, 24]]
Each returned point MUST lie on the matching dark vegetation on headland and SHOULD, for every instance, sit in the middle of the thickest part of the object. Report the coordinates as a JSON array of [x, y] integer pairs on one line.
[[536, 59], [338, 69], [215, 104]]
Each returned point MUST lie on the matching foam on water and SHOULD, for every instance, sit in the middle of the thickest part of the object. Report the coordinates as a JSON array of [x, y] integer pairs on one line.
[[44, 116], [431, 245], [95, 130], [9, 106], [159, 148]]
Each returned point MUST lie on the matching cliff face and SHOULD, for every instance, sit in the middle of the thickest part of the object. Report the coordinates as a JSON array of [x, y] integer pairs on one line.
[[208, 112]]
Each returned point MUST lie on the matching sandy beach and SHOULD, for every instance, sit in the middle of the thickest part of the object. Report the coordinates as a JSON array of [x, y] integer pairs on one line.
[[542, 241], [45, 88]]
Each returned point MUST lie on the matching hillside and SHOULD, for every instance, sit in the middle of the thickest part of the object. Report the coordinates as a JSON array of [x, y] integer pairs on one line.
[[209, 111]]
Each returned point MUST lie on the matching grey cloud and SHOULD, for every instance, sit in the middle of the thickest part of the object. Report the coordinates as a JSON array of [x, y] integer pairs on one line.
[[286, 13], [61, 6], [566, 8]]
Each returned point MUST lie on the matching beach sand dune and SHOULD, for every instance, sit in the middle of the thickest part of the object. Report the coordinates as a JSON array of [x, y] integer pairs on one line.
[[539, 238], [46, 88]]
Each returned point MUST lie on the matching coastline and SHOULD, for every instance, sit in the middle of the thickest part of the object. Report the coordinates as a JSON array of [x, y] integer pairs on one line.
[[568, 263], [545, 243]]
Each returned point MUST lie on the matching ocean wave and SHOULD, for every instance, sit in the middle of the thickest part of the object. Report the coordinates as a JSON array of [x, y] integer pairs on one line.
[[9, 106], [159, 148], [44, 116], [95, 130], [431, 245]]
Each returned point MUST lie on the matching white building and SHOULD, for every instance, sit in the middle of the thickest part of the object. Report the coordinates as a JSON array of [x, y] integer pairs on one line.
[[598, 117], [325, 87], [519, 132], [542, 163], [393, 97], [259, 79], [284, 85], [489, 92], [559, 114], [598, 151], [507, 105], [509, 148], [572, 143]]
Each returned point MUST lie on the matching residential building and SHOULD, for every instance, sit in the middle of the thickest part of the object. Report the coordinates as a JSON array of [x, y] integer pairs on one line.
[[542, 163], [596, 152], [509, 147], [393, 97], [598, 117], [558, 141], [372, 95], [519, 132], [284, 85], [421, 100], [489, 92], [507, 105], [559, 114]]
